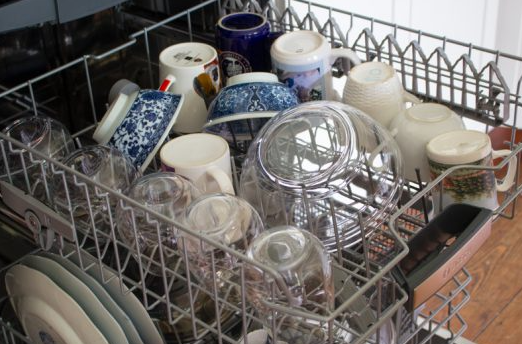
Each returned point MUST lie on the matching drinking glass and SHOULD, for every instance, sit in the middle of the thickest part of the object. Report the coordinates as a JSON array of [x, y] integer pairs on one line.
[[166, 193], [224, 219], [303, 280], [25, 170], [84, 204]]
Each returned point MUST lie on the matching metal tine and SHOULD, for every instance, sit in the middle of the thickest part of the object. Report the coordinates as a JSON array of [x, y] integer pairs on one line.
[[216, 296]]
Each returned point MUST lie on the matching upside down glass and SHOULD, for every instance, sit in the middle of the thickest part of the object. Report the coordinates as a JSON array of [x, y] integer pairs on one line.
[[166, 193], [88, 206], [227, 220], [303, 280], [27, 171]]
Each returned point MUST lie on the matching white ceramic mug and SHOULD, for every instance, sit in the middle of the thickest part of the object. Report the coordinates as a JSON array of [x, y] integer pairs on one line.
[[375, 88], [191, 69], [467, 185], [202, 158], [303, 60], [415, 127]]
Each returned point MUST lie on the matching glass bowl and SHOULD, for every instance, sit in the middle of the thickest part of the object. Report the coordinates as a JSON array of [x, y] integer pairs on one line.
[[325, 167]]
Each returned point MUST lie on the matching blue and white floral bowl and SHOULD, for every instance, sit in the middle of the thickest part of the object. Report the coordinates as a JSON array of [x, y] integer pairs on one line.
[[246, 104], [138, 124]]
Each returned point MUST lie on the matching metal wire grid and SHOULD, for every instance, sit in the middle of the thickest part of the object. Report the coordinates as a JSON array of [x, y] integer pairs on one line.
[[125, 254], [135, 267]]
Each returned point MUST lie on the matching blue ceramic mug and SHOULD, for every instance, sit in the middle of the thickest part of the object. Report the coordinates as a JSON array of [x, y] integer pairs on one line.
[[243, 40]]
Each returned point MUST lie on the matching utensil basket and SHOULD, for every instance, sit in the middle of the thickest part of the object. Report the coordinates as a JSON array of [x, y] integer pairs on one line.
[[370, 304]]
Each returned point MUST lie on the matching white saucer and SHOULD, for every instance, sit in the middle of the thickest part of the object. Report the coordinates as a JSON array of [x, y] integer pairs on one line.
[[47, 313], [83, 296], [124, 298], [119, 315]]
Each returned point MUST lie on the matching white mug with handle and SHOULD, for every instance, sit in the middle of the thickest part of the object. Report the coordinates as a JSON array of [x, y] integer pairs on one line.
[[191, 69], [375, 88], [473, 186], [202, 158], [303, 61]]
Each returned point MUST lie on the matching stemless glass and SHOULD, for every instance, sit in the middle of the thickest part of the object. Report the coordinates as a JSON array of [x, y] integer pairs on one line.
[[225, 219], [24, 170], [166, 193], [88, 206], [304, 266], [325, 167]]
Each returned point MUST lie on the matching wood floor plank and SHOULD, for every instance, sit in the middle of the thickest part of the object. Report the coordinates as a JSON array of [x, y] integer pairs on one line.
[[506, 328], [495, 281]]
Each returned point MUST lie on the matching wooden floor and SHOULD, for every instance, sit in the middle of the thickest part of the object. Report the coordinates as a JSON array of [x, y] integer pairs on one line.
[[494, 313]]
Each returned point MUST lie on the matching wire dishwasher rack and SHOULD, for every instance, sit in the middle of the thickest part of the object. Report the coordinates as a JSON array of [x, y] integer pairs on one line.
[[370, 305]]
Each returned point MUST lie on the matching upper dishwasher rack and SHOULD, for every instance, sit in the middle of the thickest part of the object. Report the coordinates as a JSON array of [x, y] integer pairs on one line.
[[445, 74]]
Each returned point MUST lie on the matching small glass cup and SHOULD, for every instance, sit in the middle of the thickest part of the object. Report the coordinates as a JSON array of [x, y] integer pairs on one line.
[[25, 170], [90, 206], [225, 219], [166, 193], [304, 281]]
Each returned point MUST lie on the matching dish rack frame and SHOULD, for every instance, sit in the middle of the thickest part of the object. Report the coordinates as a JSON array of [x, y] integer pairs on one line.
[[482, 95]]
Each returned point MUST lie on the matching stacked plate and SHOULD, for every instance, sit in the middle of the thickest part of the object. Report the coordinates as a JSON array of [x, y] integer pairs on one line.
[[57, 302]]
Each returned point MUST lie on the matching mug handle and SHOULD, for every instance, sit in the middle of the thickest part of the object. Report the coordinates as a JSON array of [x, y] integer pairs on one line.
[[410, 98], [217, 175], [167, 82], [346, 55], [509, 179], [378, 150]]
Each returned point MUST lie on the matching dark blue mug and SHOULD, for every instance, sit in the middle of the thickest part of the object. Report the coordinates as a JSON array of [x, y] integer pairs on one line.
[[243, 40]]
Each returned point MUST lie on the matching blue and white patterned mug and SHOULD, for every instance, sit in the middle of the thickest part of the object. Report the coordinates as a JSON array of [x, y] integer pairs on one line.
[[246, 104], [138, 124]]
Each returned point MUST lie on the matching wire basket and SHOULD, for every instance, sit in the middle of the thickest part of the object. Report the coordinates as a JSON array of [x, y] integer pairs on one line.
[[369, 303]]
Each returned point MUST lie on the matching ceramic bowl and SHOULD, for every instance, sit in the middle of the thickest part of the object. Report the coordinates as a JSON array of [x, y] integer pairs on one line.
[[138, 124], [246, 104]]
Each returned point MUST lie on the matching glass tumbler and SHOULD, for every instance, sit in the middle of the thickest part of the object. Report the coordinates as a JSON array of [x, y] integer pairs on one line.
[[301, 278], [168, 194], [87, 206], [24, 170], [229, 221]]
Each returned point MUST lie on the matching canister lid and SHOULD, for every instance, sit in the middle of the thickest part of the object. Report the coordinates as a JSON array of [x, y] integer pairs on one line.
[[190, 54], [299, 47], [369, 73], [459, 147], [429, 112]]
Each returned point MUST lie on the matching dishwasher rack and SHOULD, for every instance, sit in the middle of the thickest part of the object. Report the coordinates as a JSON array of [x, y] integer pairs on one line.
[[369, 305]]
